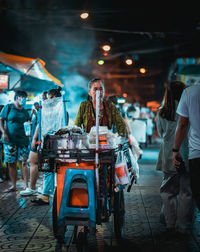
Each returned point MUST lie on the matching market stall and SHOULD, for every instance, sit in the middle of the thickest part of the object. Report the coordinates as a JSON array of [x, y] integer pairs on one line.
[[187, 70], [29, 74]]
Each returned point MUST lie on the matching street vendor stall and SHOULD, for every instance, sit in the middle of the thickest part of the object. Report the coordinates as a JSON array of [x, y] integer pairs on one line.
[[29, 74], [187, 70]]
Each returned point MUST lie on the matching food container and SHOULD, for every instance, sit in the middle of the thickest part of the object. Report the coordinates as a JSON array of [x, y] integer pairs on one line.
[[67, 141]]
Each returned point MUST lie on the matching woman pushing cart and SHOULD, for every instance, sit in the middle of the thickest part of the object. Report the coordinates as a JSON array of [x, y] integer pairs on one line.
[[85, 194]]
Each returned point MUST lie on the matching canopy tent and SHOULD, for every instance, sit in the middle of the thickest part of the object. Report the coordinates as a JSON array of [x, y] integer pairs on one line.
[[33, 74]]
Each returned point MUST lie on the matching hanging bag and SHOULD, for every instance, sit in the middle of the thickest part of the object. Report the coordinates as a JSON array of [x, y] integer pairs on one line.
[[121, 171]]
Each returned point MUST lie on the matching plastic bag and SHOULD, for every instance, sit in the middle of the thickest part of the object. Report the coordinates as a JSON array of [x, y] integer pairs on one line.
[[107, 140], [134, 165], [121, 171], [136, 150], [52, 116]]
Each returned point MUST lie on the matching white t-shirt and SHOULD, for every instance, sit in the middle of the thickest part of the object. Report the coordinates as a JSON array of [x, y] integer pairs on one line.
[[189, 106]]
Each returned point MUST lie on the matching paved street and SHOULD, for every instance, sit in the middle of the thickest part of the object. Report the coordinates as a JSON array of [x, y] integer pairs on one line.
[[26, 227]]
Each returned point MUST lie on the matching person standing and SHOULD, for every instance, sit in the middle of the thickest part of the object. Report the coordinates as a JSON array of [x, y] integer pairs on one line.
[[177, 209], [48, 181], [149, 128], [189, 111], [15, 142], [33, 154], [35, 110]]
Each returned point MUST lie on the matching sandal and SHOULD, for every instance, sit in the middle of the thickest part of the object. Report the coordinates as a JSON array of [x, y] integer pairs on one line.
[[10, 190], [39, 201]]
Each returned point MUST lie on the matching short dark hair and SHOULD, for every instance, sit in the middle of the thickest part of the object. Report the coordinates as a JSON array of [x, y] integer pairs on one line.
[[54, 92], [20, 93]]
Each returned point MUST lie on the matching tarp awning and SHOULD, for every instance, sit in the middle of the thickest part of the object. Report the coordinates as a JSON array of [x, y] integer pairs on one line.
[[187, 70], [190, 70], [29, 66]]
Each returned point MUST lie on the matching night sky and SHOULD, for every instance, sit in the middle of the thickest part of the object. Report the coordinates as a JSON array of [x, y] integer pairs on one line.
[[71, 47]]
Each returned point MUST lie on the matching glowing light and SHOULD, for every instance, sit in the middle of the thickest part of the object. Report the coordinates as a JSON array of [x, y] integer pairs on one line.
[[129, 61], [121, 100], [101, 62], [106, 48], [84, 15], [124, 95], [142, 70]]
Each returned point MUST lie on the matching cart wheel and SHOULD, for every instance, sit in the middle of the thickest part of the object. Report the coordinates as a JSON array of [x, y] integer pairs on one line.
[[119, 215], [58, 231]]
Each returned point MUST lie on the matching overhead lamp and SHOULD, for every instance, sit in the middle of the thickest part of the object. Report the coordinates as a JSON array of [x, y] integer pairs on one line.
[[100, 62], [106, 48], [125, 95], [143, 70], [129, 61], [84, 15]]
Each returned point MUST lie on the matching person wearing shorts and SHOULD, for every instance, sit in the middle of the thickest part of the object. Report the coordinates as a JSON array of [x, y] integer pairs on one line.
[[15, 142]]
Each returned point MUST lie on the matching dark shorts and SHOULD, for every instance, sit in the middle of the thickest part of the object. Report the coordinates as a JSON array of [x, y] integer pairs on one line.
[[13, 153]]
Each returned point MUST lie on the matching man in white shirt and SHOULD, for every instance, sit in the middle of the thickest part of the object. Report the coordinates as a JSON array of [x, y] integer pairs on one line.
[[189, 111]]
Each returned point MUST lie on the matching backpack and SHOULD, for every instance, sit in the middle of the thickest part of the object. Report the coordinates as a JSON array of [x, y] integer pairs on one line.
[[9, 109]]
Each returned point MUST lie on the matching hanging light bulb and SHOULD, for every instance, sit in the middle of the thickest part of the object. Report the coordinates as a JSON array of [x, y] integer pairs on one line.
[[100, 62], [142, 70], [106, 48], [84, 15], [129, 61]]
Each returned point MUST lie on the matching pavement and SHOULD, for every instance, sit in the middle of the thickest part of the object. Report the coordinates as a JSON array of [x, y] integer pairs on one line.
[[26, 227]]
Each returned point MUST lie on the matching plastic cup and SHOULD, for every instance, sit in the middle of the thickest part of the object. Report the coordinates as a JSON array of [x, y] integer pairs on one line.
[[27, 128]]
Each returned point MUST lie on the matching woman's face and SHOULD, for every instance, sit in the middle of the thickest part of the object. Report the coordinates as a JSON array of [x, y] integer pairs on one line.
[[96, 86]]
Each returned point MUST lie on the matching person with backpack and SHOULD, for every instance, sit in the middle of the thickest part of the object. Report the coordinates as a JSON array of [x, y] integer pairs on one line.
[[15, 142]]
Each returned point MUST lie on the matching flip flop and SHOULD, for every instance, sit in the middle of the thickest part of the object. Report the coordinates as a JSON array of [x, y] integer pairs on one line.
[[39, 202], [10, 190]]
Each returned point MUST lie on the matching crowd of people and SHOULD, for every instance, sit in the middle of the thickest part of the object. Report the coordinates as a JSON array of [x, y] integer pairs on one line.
[[177, 122]]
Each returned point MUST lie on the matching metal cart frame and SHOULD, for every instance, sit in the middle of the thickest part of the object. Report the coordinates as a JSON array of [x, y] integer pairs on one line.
[[107, 201]]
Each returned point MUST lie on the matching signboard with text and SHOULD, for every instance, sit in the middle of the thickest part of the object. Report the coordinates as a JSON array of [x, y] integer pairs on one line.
[[3, 81]]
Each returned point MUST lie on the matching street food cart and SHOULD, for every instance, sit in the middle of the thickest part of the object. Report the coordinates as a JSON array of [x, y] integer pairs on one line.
[[86, 192]]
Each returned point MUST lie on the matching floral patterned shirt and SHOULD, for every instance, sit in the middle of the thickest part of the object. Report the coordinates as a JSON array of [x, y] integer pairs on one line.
[[110, 116]]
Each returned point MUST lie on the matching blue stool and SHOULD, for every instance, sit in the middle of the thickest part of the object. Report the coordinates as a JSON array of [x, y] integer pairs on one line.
[[85, 215]]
